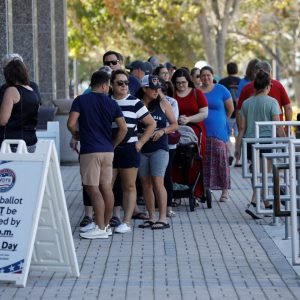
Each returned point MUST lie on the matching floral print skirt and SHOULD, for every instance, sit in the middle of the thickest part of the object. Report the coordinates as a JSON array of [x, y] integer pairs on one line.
[[216, 171]]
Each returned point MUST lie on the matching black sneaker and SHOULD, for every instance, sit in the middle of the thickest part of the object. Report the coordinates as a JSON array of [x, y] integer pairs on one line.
[[85, 221], [251, 210], [231, 158]]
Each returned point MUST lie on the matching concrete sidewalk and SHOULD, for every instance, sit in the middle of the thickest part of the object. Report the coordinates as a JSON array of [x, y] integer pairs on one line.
[[218, 253]]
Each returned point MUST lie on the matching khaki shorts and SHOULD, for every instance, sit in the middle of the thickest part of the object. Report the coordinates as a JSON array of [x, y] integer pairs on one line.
[[96, 168]]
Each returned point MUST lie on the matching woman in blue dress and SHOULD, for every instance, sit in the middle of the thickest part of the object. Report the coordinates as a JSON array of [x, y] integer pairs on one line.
[[216, 172]]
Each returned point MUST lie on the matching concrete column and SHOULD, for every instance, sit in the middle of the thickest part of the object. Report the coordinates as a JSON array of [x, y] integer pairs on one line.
[[6, 30], [61, 46], [46, 50], [25, 34]]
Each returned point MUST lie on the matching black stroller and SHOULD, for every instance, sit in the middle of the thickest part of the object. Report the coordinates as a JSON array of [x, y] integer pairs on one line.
[[186, 155]]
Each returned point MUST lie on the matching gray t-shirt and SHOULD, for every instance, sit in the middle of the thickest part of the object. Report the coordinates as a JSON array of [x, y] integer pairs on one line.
[[258, 109]]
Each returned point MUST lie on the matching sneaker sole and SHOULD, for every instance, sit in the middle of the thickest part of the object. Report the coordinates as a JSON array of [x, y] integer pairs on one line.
[[122, 231], [94, 237], [249, 212], [86, 230]]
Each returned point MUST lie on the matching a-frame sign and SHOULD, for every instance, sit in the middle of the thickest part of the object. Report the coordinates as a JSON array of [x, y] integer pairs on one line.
[[35, 231]]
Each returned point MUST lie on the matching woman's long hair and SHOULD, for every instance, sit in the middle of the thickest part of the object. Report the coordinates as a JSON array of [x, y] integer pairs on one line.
[[250, 71], [15, 72], [141, 94]]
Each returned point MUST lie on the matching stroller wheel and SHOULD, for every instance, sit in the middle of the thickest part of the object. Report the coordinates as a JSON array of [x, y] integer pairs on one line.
[[208, 198], [192, 203]]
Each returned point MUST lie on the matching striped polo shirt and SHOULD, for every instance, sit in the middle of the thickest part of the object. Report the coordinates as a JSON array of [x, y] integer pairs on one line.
[[133, 110]]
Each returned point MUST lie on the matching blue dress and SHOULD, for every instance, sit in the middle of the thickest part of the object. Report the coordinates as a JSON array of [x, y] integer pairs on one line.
[[216, 172], [216, 123]]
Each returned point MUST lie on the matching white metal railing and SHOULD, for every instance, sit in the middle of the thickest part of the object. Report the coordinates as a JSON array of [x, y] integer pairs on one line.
[[294, 201], [274, 124], [283, 150], [268, 142]]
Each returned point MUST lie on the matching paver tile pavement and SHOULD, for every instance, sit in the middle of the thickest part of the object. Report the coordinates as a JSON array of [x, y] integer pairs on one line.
[[218, 253]]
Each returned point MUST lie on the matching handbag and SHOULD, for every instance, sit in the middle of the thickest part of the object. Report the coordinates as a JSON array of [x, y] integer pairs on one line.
[[174, 137]]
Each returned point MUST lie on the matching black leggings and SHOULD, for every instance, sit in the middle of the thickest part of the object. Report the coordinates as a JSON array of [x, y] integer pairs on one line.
[[168, 177]]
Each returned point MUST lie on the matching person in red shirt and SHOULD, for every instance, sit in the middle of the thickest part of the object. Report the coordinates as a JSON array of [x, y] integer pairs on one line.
[[277, 91], [193, 109]]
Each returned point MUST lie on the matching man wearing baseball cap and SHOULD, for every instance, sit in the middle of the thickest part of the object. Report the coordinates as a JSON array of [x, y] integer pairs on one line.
[[137, 68]]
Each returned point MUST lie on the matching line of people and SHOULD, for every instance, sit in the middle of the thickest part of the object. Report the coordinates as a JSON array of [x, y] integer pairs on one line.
[[148, 119], [149, 153], [127, 117]]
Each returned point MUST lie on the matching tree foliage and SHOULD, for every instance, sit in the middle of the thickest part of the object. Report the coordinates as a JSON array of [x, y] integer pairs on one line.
[[185, 31]]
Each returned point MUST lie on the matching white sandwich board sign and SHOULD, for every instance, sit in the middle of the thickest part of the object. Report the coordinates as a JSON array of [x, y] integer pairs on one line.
[[35, 231]]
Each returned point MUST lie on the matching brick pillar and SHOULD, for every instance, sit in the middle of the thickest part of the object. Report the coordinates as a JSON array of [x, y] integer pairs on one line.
[[46, 50], [25, 34], [61, 45], [6, 31]]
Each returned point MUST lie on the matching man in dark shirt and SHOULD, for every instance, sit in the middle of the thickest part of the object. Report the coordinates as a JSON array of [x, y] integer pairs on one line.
[[114, 60], [231, 82], [93, 114]]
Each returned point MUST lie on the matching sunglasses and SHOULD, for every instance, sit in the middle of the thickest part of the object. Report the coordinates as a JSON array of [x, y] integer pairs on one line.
[[122, 83], [111, 62], [198, 76]]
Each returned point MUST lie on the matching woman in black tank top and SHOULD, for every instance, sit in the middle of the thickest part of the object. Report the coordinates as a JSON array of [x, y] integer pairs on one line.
[[19, 108]]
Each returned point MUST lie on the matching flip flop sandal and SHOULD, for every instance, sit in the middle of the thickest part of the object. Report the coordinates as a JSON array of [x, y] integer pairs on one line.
[[140, 216], [171, 214], [224, 198], [146, 224], [161, 225]]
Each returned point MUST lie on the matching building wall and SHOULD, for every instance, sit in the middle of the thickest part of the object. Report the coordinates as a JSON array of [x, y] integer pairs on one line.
[[36, 29]]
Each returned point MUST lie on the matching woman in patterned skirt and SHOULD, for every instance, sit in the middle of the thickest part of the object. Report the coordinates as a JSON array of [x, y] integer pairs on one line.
[[216, 172]]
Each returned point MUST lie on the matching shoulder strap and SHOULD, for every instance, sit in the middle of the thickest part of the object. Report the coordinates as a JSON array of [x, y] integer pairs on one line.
[[21, 108], [196, 96]]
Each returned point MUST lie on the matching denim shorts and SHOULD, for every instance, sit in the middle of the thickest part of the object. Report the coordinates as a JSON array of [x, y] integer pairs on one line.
[[154, 163], [126, 157], [232, 126]]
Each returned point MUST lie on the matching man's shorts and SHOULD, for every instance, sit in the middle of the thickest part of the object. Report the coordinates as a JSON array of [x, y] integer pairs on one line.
[[261, 151], [126, 157], [154, 163], [96, 168]]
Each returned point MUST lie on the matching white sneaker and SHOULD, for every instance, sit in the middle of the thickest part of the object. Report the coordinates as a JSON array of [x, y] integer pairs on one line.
[[88, 227], [108, 230], [123, 228], [95, 233]]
